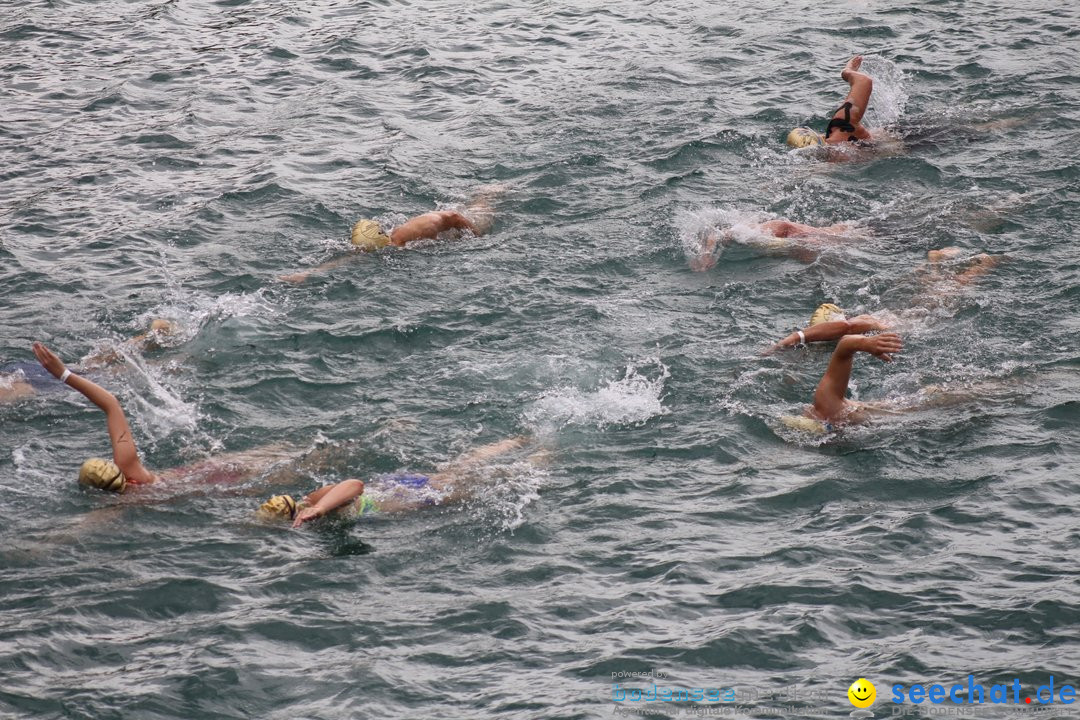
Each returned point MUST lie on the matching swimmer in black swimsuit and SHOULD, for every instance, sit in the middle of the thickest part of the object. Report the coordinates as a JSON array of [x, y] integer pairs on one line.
[[845, 123]]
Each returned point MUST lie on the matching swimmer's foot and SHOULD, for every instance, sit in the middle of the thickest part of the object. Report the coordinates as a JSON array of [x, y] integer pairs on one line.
[[980, 265], [479, 210], [853, 65], [942, 254], [490, 192], [295, 278], [707, 255], [987, 261], [541, 458]]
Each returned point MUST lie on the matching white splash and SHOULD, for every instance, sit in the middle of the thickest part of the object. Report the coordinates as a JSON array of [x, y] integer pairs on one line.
[[739, 226], [189, 312], [632, 399], [889, 98]]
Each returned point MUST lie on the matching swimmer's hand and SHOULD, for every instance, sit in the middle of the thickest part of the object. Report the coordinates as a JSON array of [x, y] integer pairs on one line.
[[882, 346], [307, 515], [49, 360]]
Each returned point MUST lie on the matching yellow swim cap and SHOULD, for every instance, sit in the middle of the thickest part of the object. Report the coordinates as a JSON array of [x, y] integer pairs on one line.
[[802, 137], [826, 312], [103, 475], [161, 326], [279, 506], [803, 423], [368, 235]]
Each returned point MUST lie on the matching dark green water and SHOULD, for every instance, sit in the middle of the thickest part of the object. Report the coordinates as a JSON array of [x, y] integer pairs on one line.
[[171, 159]]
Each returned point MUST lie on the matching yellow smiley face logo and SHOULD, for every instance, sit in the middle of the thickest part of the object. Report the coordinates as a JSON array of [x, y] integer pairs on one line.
[[862, 693]]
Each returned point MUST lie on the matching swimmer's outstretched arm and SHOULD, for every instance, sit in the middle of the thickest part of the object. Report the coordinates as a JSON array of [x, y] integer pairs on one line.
[[327, 499], [125, 454], [829, 398], [833, 330]]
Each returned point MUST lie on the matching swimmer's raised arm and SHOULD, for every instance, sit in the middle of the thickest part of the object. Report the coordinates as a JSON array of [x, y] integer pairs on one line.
[[327, 499], [832, 330], [830, 395], [125, 454]]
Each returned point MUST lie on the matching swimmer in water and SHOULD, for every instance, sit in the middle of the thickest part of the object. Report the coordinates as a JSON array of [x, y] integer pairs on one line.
[[829, 322], [369, 235], [126, 469], [831, 408], [24, 379], [390, 493], [845, 126], [794, 239]]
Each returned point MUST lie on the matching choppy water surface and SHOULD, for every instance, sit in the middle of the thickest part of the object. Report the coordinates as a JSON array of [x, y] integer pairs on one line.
[[164, 159]]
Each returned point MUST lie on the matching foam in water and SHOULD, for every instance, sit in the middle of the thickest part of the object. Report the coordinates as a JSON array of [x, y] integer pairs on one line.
[[503, 493], [190, 312], [889, 98], [743, 226], [158, 410], [632, 399]]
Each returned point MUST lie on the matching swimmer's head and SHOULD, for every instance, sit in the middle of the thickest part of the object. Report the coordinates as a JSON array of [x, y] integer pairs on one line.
[[103, 475], [368, 235], [279, 506], [826, 312], [804, 424], [159, 331], [802, 137], [163, 327]]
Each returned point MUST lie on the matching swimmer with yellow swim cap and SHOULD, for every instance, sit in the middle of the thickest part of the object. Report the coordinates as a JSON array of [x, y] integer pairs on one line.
[[829, 323], [370, 235], [845, 124], [389, 493], [831, 408], [126, 469]]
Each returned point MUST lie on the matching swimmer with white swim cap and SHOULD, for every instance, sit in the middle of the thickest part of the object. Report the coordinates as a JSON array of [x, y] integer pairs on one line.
[[370, 235], [845, 125]]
